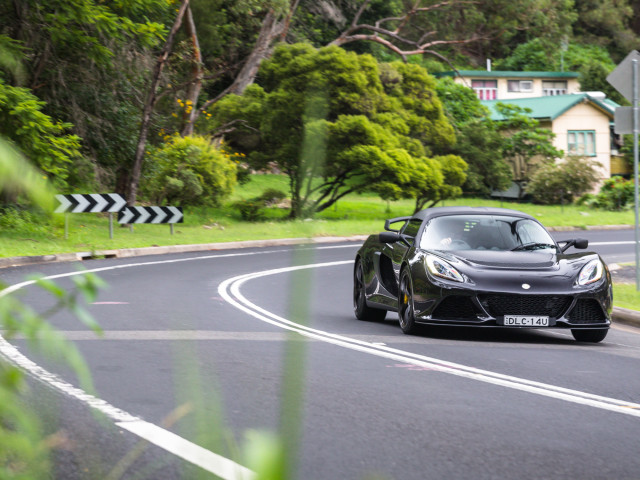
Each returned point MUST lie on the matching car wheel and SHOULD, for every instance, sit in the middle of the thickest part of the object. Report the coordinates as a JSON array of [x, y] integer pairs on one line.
[[594, 336], [360, 307], [406, 314]]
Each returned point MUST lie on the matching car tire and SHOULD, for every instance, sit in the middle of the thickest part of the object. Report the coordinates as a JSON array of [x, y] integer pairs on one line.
[[406, 314], [360, 307], [593, 336]]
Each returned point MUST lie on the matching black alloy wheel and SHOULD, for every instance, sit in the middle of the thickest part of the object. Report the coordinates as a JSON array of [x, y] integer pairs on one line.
[[406, 314], [593, 336], [360, 307]]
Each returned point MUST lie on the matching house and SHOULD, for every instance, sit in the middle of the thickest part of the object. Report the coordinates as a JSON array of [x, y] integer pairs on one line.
[[507, 85], [582, 124], [581, 121]]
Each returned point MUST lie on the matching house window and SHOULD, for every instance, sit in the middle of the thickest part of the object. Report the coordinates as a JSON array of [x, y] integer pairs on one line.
[[581, 142], [554, 88], [485, 89], [523, 86]]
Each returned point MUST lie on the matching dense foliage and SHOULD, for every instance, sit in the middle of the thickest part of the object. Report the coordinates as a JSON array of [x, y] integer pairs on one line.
[[559, 183], [189, 171], [74, 77], [615, 194], [337, 123]]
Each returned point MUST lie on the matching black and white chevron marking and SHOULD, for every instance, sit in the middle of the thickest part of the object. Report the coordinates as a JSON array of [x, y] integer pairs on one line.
[[90, 202], [151, 215]]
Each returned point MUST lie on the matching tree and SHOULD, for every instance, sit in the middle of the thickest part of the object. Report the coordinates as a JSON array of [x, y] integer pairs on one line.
[[86, 60], [336, 125], [478, 141], [45, 141], [152, 97], [526, 146]]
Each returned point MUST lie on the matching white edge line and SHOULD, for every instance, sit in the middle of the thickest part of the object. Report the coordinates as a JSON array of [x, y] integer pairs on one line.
[[203, 458], [216, 464], [172, 443], [240, 302]]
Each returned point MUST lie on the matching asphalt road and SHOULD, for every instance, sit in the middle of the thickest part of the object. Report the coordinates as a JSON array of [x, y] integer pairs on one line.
[[188, 333]]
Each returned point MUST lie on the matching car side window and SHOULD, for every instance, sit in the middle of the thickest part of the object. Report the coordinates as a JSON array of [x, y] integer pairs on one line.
[[412, 228]]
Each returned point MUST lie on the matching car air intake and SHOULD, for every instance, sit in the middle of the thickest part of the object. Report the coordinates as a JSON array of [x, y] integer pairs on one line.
[[549, 305], [587, 310], [455, 307]]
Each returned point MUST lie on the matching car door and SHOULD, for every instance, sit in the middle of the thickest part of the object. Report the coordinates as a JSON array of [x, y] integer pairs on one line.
[[399, 249]]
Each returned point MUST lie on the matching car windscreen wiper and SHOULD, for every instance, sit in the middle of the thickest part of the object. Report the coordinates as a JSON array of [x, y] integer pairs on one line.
[[532, 246]]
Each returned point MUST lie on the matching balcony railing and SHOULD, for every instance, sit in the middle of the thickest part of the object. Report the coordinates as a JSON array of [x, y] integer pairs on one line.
[[553, 91], [486, 93]]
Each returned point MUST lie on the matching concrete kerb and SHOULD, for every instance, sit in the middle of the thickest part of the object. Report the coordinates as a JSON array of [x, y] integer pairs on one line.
[[619, 315], [162, 250]]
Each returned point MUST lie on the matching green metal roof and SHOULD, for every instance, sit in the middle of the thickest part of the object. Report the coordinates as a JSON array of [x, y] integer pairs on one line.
[[549, 107], [505, 74]]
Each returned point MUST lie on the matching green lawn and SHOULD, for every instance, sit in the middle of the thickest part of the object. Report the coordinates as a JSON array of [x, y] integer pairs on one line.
[[625, 295], [353, 215]]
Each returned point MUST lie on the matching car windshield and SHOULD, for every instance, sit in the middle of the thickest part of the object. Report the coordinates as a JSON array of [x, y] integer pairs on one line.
[[485, 232]]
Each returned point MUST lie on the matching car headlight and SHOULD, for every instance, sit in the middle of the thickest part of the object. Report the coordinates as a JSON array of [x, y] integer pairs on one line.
[[443, 269], [591, 272]]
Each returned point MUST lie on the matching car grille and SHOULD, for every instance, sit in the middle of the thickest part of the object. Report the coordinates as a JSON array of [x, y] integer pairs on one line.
[[549, 305], [512, 265], [455, 308], [587, 310]]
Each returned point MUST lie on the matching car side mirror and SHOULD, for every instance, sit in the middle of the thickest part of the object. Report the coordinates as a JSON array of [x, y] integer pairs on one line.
[[389, 237], [580, 243]]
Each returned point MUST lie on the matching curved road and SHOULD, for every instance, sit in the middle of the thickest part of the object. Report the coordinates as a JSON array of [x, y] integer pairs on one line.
[[199, 343]]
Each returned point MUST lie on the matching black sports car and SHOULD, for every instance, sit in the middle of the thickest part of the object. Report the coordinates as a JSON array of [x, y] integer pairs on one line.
[[485, 267]]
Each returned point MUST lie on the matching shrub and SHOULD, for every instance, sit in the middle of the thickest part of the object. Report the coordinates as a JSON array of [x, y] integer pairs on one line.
[[562, 182], [251, 210], [616, 194], [24, 221], [271, 196], [188, 171]]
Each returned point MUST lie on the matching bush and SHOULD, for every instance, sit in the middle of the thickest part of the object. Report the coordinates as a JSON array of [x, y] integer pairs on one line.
[[188, 171], [24, 221], [562, 182], [251, 210], [615, 194], [272, 196]]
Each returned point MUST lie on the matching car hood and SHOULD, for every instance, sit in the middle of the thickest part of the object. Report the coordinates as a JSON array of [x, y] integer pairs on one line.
[[544, 272], [510, 260]]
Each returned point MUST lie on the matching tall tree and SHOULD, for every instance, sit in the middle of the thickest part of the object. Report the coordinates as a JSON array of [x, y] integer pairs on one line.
[[335, 127], [84, 59], [132, 190]]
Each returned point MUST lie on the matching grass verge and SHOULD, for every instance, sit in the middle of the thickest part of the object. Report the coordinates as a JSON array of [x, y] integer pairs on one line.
[[353, 215]]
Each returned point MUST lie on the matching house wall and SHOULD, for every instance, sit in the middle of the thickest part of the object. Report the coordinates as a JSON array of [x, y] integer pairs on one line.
[[573, 86], [586, 117]]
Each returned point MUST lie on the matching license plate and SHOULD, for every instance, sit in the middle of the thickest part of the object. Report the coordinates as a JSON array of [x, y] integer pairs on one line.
[[526, 321]]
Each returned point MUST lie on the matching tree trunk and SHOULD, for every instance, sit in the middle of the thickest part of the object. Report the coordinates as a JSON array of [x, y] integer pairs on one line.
[[149, 105], [271, 30], [193, 91]]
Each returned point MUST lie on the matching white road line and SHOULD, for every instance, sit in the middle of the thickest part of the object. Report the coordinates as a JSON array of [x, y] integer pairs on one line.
[[230, 291], [216, 464]]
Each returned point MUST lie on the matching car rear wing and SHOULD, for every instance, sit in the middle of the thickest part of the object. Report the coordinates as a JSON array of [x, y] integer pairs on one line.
[[388, 223]]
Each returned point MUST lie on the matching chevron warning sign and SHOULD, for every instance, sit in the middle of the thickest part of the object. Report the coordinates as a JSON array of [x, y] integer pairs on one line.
[[90, 202], [151, 215]]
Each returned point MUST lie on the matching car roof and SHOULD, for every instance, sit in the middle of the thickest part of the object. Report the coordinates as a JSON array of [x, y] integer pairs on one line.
[[429, 213]]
